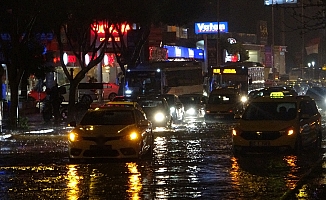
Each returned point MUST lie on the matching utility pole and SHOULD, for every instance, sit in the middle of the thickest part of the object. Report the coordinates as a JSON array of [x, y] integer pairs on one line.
[[218, 34]]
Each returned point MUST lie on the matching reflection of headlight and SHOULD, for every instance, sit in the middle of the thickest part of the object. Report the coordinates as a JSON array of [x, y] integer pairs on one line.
[[244, 99], [159, 117], [128, 91], [191, 111], [73, 137], [172, 109]]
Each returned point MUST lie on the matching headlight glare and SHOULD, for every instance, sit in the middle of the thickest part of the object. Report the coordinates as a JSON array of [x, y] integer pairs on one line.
[[159, 117], [73, 137], [128, 91], [133, 136], [191, 111], [244, 99]]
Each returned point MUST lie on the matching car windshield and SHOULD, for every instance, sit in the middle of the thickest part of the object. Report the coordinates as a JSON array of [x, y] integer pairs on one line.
[[270, 111], [190, 99], [222, 99], [108, 117]]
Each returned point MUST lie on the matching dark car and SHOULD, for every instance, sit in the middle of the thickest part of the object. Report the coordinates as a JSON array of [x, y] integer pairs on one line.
[[176, 107], [194, 105], [157, 110], [319, 95]]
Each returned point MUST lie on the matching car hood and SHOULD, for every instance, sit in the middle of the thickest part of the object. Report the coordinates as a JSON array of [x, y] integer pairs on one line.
[[263, 125], [107, 130]]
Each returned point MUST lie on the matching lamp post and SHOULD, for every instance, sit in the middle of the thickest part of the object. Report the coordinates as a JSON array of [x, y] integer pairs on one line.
[[313, 69], [309, 65]]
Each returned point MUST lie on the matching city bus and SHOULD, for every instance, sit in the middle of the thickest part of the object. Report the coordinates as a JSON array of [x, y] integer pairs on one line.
[[169, 77], [245, 76]]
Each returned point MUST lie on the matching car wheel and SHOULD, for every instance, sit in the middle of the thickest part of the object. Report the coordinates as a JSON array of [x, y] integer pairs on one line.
[[86, 99], [111, 96]]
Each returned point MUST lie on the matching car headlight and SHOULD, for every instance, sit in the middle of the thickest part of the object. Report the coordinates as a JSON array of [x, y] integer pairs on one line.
[[191, 111], [244, 99], [236, 132], [132, 136], [73, 137], [159, 117], [289, 131], [128, 91]]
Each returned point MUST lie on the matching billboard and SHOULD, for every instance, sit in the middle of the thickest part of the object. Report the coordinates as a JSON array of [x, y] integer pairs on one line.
[[211, 27], [270, 2]]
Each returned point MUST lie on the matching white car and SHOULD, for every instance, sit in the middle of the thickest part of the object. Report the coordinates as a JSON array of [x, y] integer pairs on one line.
[[83, 95], [111, 132]]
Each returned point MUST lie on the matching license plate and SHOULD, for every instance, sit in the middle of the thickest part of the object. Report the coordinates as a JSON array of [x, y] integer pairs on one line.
[[101, 147], [219, 117], [259, 143]]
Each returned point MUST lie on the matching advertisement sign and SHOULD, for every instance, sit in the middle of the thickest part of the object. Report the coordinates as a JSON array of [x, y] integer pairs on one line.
[[184, 52], [211, 27], [270, 2]]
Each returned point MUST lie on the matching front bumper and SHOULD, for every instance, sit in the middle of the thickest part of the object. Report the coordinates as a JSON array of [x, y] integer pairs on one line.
[[111, 149]]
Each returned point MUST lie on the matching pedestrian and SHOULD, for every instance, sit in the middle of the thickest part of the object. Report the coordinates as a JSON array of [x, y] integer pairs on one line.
[[55, 99]]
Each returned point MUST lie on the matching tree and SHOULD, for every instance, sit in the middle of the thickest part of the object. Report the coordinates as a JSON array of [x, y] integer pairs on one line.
[[80, 19], [19, 45]]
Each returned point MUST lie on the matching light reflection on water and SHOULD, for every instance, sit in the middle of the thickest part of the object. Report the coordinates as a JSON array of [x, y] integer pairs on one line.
[[73, 181], [176, 167], [185, 165]]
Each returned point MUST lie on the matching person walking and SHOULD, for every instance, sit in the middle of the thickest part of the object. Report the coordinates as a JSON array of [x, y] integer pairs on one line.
[[55, 99]]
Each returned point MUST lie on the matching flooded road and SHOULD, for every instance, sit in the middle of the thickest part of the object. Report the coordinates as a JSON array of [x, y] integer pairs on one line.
[[189, 162]]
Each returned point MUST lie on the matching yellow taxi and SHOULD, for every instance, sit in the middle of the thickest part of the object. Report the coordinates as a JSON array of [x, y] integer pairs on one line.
[[278, 122], [111, 132], [122, 104]]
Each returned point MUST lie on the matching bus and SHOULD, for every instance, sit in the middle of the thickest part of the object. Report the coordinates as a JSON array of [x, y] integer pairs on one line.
[[245, 76], [169, 77]]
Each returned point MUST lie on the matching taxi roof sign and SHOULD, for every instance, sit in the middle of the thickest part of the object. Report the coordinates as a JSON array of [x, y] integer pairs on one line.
[[276, 95]]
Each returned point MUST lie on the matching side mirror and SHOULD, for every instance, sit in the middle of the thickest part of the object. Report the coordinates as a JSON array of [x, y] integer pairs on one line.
[[144, 123]]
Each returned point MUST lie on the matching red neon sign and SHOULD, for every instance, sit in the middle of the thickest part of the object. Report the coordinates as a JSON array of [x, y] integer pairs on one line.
[[101, 28]]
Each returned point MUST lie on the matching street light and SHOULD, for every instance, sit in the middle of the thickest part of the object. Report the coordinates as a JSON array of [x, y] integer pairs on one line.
[[313, 69]]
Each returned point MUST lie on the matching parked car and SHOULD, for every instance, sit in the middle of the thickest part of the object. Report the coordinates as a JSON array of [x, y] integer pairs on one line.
[[83, 95], [111, 132], [110, 90], [278, 122], [194, 105], [37, 96], [176, 107], [157, 110]]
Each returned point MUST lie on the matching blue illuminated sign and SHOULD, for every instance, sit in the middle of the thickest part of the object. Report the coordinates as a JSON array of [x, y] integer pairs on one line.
[[270, 2], [184, 52], [211, 27]]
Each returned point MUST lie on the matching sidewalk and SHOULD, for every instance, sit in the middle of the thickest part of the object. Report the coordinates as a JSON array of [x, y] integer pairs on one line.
[[35, 125]]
